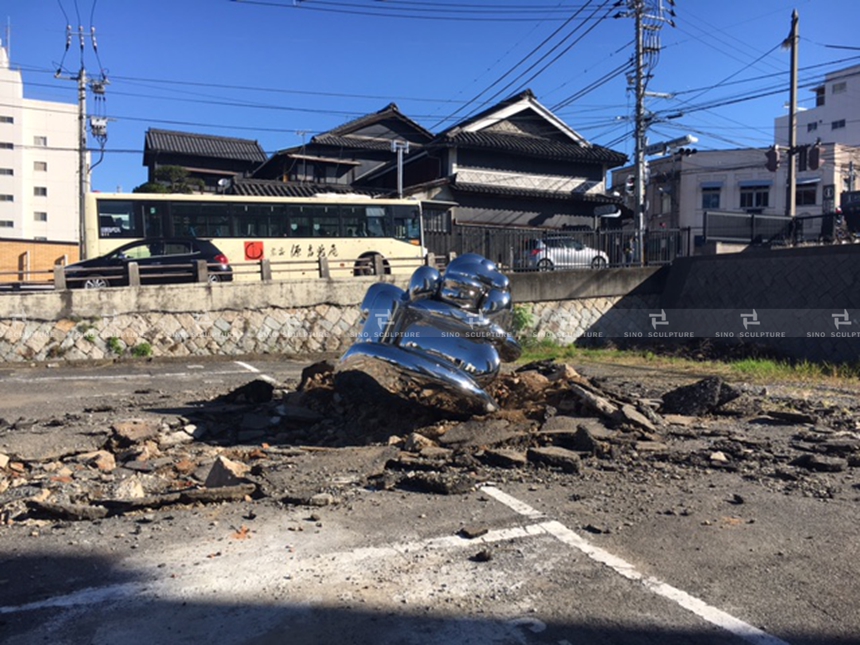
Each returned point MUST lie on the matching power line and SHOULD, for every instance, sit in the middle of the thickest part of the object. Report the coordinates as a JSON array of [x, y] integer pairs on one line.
[[485, 15], [510, 70], [556, 58]]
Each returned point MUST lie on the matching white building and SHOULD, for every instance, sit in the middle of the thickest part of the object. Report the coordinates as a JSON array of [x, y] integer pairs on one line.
[[38, 164], [834, 117], [680, 189]]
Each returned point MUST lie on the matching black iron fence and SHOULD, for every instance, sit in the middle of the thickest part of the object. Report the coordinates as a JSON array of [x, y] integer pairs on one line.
[[746, 228], [752, 228], [520, 249]]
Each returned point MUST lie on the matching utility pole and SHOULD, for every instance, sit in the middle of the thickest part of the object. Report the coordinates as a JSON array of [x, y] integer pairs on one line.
[[648, 16], [400, 146], [98, 124], [639, 138], [791, 188], [83, 163], [83, 171]]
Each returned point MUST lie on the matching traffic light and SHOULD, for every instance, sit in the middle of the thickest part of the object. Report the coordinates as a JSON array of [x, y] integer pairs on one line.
[[630, 184], [685, 152], [772, 158], [814, 158], [802, 157]]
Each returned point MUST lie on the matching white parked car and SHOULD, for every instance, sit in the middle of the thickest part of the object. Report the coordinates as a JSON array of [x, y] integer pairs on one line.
[[560, 252]]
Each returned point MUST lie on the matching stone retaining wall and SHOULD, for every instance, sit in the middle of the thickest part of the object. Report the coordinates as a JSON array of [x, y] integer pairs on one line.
[[294, 318], [302, 317]]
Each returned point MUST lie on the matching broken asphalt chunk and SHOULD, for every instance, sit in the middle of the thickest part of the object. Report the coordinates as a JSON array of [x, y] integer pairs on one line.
[[556, 457], [700, 398], [226, 472]]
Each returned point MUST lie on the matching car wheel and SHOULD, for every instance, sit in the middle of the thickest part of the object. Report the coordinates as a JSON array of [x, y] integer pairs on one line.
[[214, 278], [95, 282], [598, 263], [545, 265]]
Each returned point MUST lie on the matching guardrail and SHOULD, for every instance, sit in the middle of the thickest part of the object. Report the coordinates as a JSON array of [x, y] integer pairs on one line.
[[134, 274]]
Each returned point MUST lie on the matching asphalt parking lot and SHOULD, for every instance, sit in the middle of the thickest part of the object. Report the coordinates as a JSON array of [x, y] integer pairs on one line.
[[587, 559]]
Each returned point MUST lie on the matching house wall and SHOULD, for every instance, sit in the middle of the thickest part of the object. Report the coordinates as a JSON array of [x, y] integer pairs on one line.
[[519, 165], [18, 256]]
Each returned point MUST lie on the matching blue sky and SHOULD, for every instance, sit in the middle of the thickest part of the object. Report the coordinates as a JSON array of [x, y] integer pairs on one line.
[[279, 71]]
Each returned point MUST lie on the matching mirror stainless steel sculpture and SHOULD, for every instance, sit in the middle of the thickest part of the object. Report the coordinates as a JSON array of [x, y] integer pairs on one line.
[[447, 334]]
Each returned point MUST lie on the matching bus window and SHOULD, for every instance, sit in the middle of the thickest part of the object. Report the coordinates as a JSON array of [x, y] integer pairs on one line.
[[354, 221], [407, 223], [377, 224], [199, 219], [259, 220], [154, 219], [116, 219], [314, 221]]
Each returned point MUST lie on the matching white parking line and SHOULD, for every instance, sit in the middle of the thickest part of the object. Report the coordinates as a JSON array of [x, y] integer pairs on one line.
[[113, 377], [682, 598], [167, 587], [254, 370]]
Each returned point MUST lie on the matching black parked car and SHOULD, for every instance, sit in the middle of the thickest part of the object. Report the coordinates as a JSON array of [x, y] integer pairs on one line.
[[162, 260]]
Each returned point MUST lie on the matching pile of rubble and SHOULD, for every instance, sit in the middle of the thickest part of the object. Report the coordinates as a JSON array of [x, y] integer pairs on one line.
[[312, 444]]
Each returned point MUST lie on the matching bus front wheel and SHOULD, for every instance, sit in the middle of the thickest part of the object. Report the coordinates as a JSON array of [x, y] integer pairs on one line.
[[367, 264]]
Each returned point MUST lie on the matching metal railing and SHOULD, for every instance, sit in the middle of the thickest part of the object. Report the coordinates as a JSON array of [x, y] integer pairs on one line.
[[746, 228], [134, 274], [510, 248]]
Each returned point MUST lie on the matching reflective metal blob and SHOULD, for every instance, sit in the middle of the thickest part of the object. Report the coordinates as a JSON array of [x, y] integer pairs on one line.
[[445, 337]]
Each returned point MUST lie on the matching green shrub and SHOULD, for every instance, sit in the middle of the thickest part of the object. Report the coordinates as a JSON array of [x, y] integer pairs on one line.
[[115, 345], [141, 350]]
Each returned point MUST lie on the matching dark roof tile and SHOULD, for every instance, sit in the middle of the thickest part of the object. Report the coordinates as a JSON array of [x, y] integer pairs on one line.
[[533, 147], [510, 191], [204, 145], [275, 188]]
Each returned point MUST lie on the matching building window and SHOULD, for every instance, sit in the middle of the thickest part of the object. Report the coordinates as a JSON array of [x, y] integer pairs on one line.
[[7, 171], [838, 125], [7, 119], [710, 198], [6, 223], [805, 195], [40, 216], [42, 142], [755, 197], [40, 166], [7, 198], [5, 145], [839, 88], [40, 191], [812, 127]]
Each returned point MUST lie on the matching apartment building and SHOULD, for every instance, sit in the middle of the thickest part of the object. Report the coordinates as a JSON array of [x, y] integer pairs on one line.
[[834, 119], [38, 164]]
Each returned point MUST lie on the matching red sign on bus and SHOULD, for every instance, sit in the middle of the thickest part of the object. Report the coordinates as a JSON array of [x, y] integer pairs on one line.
[[253, 251]]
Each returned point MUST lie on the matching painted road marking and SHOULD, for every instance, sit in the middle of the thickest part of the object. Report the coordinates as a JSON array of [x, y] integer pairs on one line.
[[254, 370], [165, 588], [113, 377], [682, 598]]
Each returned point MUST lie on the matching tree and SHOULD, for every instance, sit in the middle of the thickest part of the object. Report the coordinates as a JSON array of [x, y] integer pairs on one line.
[[171, 179]]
